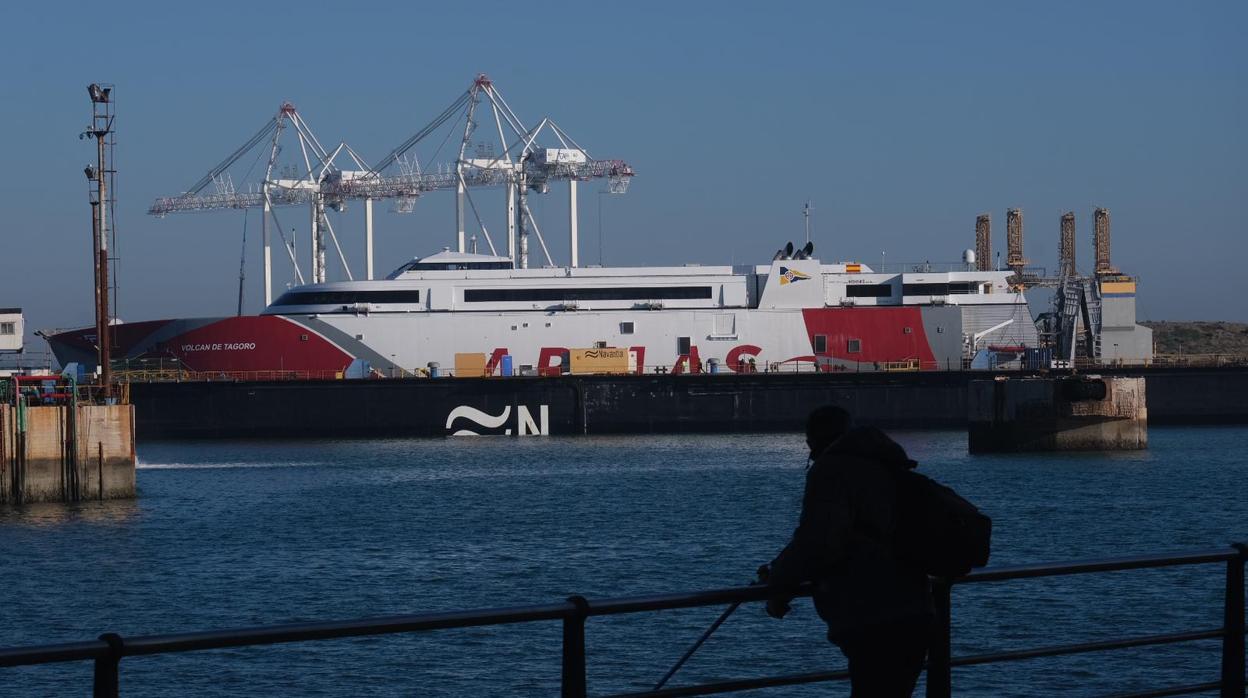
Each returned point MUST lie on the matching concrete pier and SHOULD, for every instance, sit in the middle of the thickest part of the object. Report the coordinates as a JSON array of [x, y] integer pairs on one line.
[[59, 453], [1076, 413]]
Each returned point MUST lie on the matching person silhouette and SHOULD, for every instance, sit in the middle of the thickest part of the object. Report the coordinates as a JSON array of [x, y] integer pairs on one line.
[[878, 609]]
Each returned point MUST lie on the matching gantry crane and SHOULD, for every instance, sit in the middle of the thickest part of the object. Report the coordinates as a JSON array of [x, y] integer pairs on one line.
[[522, 165], [296, 185]]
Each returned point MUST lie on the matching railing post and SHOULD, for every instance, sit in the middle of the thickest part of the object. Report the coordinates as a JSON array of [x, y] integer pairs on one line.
[[106, 683], [939, 672], [574, 649], [1233, 626]]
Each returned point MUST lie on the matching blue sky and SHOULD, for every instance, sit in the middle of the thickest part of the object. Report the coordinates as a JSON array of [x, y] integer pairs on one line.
[[900, 121]]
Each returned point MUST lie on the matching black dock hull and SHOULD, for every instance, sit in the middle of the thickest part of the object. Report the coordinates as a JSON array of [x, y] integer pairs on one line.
[[616, 404]]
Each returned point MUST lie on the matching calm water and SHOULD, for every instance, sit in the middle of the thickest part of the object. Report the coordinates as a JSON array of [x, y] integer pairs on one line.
[[239, 533]]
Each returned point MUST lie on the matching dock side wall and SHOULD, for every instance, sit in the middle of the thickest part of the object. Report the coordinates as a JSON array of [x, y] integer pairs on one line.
[[1040, 414], [66, 454]]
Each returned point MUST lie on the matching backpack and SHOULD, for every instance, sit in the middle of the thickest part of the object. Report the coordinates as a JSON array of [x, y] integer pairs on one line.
[[936, 530]]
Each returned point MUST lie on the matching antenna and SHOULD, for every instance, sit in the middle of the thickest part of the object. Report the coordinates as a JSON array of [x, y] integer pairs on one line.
[[806, 214]]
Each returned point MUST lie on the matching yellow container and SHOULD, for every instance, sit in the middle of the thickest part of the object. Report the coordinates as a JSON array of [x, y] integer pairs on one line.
[[604, 360]]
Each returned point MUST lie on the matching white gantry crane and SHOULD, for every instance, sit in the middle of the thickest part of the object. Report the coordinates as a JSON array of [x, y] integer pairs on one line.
[[521, 160], [295, 184]]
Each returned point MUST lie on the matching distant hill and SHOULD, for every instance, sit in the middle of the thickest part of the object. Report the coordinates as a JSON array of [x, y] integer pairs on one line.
[[1200, 337]]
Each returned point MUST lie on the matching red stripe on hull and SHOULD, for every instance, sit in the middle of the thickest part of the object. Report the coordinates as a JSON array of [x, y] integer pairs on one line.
[[881, 333], [257, 343]]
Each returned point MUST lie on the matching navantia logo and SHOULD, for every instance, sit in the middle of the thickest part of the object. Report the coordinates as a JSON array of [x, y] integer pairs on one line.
[[791, 276], [524, 422]]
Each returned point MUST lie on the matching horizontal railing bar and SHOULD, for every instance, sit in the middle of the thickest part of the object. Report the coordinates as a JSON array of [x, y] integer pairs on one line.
[[1081, 648], [47, 654], [301, 632], [995, 574], [1172, 691], [738, 685], [639, 604], [291, 632]]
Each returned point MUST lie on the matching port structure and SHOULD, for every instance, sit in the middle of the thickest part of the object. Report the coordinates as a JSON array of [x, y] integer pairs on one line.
[[1014, 240], [1100, 229], [520, 164], [523, 160], [297, 184], [101, 177], [983, 242], [1066, 246], [1093, 315]]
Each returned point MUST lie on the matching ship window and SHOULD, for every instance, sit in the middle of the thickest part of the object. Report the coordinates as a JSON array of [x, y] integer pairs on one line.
[[451, 266], [906, 330], [600, 344], [626, 328], [625, 293], [955, 287], [682, 345], [8, 328], [869, 290], [853, 346], [821, 343], [346, 297]]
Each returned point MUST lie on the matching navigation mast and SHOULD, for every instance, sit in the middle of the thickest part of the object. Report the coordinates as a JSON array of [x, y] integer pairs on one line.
[[101, 129]]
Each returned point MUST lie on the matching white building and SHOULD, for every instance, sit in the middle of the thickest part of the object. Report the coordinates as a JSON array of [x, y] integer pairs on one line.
[[12, 329]]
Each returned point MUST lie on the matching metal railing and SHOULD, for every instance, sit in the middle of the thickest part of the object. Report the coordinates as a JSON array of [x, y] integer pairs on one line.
[[108, 651]]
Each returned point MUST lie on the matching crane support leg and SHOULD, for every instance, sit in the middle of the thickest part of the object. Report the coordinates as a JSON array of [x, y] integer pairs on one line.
[[368, 239], [572, 222], [268, 255]]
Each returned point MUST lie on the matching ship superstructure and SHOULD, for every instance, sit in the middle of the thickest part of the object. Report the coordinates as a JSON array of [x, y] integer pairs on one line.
[[795, 314]]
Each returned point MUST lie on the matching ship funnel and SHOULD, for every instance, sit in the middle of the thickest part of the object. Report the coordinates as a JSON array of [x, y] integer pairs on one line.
[[788, 251], [808, 250]]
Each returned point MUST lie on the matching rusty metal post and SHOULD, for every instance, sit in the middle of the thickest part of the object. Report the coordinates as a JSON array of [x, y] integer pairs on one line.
[[939, 655], [1233, 664], [101, 216], [107, 683], [573, 682]]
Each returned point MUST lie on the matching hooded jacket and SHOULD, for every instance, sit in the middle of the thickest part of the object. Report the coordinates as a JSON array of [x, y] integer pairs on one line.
[[843, 540]]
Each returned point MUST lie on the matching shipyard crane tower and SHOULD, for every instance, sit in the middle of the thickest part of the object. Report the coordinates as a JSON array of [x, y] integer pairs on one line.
[[983, 242], [295, 184], [1100, 226], [1014, 240], [1066, 246], [522, 160]]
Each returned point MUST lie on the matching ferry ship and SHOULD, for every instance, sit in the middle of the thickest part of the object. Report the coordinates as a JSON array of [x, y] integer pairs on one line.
[[461, 313]]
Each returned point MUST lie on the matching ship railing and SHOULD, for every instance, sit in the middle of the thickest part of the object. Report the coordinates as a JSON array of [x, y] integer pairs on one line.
[[110, 648], [1197, 360], [174, 374]]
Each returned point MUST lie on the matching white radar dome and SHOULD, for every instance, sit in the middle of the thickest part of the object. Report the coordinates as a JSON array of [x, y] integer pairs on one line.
[[968, 256]]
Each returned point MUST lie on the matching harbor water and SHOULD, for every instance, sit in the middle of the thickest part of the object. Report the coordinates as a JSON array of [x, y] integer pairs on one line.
[[229, 534]]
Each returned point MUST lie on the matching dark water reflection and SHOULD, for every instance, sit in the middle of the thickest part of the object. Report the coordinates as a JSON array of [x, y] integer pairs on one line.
[[238, 533]]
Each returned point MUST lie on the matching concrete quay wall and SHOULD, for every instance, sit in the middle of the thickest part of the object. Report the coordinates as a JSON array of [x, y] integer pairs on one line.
[[1104, 413], [59, 453]]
